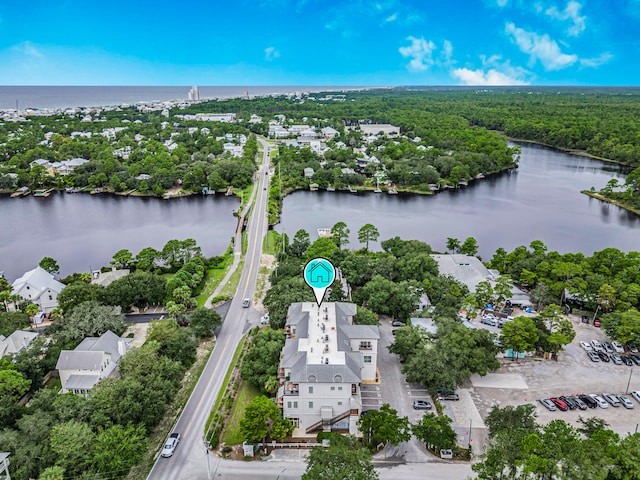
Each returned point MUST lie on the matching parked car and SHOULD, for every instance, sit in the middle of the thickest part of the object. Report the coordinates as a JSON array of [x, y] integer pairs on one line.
[[636, 394], [635, 359], [264, 320], [599, 400], [445, 391], [560, 404], [607, 347], [587, 346], [489, 321], [627, 360], [612, 399], [397, 323], [615, 358], [596, 322], [569, 402], [591, 403], [594, 356], [170, 445], [604, 357], [450, 396], [581, 404], [548, 404], [246, 302], [422, 405], [617, 347], [597, 346], [632, 348], [626, 401]]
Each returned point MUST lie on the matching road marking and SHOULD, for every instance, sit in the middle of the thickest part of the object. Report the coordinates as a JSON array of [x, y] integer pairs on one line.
[[213, 375]]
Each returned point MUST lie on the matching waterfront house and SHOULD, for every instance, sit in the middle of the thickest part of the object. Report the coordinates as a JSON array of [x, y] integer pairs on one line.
[[38, 286], [324, 362], [16, 342], [94, 359]]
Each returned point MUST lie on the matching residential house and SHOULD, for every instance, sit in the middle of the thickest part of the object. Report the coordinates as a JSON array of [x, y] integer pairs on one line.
[[329, 132], [324, 362], [94, 359], [38, 286], [105, 279], [379, 128], [17, 341]]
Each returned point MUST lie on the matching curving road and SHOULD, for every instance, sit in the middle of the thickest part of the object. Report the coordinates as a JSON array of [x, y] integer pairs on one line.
[[190, 460]]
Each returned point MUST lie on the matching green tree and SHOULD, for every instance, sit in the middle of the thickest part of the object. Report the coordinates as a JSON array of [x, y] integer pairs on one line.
[[118, 448], [71, 442], [203, 321], [407, 341], [509, 418], [263, 419], [340, 234], [122, 259], [343, 459], [301, 241], [384, 426], [321, 248], [77, 293], [519, 335], [453, 245], [435, 431], [50, 265], [503, 288], [365, 316], [262, 358], [469, 246], [627, 459], [52, 473], [485, 295], [89, 319], [175, 343], [368, 233], [147, 259]]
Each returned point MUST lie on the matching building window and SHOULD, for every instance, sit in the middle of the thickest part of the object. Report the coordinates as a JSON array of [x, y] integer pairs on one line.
[[310, 389], [295, 404], [367, 359], [50, 297], [339, 403], [310, 404], [365, 345], [339, 389], [333, 388], [288, 404]]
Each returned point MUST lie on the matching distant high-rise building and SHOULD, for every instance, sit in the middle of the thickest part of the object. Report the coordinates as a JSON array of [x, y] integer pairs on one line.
[[194, 94]]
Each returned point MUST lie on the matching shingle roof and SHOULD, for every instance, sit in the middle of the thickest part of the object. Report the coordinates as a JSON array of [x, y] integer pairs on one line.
[[40, 280], [15, 342], [79, 360]]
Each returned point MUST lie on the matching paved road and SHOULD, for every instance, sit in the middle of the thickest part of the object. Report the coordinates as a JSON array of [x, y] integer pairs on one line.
[[190, 460]]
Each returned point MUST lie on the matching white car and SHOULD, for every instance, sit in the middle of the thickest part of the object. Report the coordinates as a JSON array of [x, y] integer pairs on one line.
[[626, 402], [264, 320], [587, 346], [617, 347], [636, 394], [170, 445], [599, 400], [597, 346]]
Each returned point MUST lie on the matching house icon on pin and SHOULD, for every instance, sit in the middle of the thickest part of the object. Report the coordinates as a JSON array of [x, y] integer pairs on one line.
[[320, 273]]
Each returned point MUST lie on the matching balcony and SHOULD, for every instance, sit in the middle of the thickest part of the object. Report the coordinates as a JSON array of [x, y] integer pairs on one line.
[[291, 389]]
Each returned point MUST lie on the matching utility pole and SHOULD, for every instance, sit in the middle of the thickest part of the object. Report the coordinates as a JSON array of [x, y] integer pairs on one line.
[[206, 452], [629, 382]]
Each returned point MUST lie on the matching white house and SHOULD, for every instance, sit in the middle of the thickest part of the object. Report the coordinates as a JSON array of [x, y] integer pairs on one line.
[[323, 364], [17, 341], [329, 132], [38, 286], [91, 361], [377, 128]]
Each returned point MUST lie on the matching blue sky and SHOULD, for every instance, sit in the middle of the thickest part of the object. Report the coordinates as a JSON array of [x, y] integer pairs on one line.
[[320, 42]]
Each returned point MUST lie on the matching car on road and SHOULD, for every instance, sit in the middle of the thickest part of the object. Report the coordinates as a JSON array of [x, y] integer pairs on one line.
[[560, 404], [597, 346], [603, 356], [591, 403], [170, 445], [612, 399], [587, 346], [607, 347], [615, 358], [626, 360], [450, 396], [594, 356], [397, 323], [422, 405], [489, 321], [246, 302], [626, 401], [617, 347], [599, 400], [548, 404], [632, 348], [581, 404]]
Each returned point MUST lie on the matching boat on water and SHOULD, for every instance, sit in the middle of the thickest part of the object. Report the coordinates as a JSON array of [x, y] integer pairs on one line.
[[330, 188], [392, 191], [324, 232], [72, 190], [377, 190]]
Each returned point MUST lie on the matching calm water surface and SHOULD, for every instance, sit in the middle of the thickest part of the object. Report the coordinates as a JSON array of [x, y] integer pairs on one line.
[[540, 200], [83, 231]]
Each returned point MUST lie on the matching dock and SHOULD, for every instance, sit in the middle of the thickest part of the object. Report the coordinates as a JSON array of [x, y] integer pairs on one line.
[[42, 193], [21, 192]]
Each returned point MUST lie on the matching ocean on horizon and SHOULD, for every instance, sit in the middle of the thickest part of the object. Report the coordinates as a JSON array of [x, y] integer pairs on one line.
[[52, 97]]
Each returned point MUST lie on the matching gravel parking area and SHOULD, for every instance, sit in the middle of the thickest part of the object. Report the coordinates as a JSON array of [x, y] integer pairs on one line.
[[527, 381]]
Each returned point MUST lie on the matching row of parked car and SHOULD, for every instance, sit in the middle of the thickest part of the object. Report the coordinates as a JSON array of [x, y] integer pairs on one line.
[[611, 352], [593, 400], [491, 319]]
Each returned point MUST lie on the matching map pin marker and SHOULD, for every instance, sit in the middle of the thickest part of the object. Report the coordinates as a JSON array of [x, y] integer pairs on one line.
[[319, 274]]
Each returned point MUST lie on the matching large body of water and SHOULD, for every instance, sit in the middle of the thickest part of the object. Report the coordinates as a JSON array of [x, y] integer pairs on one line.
[[82, 96], [540, 200], [83, 231]]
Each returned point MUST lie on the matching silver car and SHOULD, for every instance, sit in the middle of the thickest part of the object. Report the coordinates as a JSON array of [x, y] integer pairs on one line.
[[599, 400], [612, 399], [626, 402], [636, 394], [170, 445], [548, 404]]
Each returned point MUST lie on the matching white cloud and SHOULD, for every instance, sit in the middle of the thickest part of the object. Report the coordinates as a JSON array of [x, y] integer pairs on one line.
[[502, 3], [391, 18], [594, 62], [270, 54], [27, 49], [420, 52], [447, 53], [540, 47], [572, 14], [480, 77]]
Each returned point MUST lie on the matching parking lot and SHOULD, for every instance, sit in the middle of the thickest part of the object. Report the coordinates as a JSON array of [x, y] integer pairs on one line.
[[527, 381]]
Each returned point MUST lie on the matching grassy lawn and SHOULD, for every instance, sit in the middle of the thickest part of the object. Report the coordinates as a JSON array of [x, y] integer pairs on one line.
[[230, 288], [213, 278], [269, 245], [246, 394]]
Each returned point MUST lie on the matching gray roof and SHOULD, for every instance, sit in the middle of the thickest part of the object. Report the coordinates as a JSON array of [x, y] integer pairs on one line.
[[15, 342], [40, 280], [79, 360], [82, 382], [90, 353], [360, 331], [321, 373], [106, 278]]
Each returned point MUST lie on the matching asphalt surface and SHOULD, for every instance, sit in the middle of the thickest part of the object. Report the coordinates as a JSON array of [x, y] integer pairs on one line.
[[190, 460]]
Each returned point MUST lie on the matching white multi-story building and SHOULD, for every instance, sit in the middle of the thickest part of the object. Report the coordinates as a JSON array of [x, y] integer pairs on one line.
[[324, 362]]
